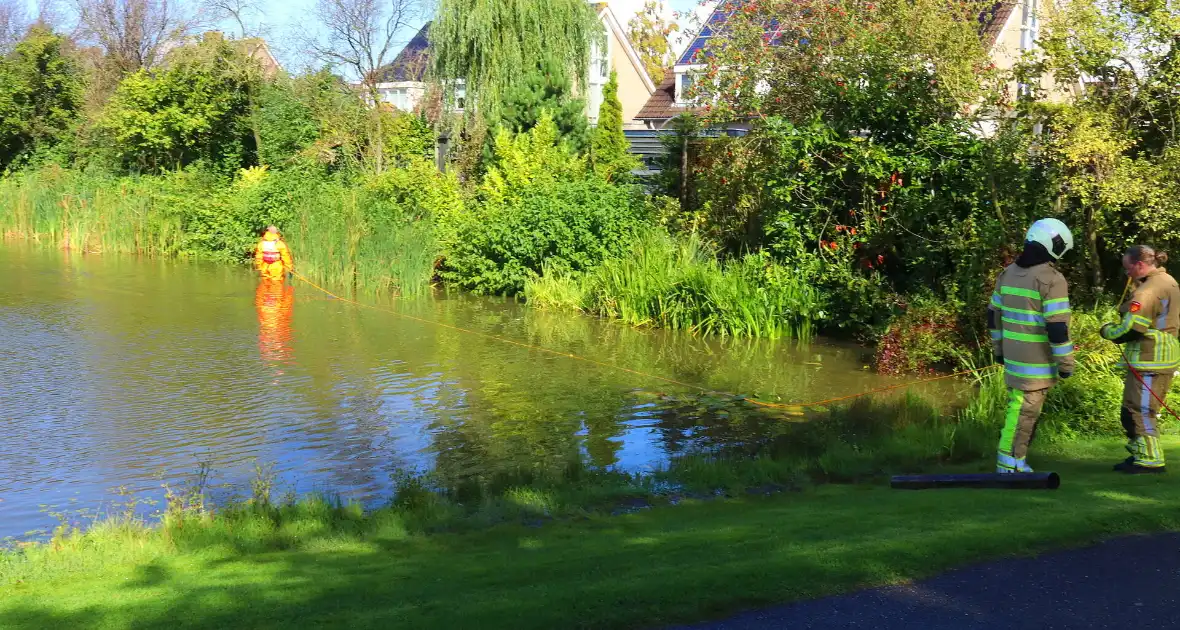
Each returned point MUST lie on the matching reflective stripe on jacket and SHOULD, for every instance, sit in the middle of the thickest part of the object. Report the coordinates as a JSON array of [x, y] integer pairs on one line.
[[1024, 301], [1154, 311]]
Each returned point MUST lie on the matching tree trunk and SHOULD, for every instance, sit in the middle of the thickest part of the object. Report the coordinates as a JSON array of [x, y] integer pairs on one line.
[[1092, 246], [684, 174], [753, 231], [254, 123], [380, 146], [379, 140], [991, 178]]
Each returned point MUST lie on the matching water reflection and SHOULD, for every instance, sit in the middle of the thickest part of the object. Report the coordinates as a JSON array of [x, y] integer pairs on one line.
[[274, 300]]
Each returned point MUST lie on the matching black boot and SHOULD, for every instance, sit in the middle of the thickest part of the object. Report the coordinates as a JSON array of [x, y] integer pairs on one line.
[[1132, 448], [1135, 469]]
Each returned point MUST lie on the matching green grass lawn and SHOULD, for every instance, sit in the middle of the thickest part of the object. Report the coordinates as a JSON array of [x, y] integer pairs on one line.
[[662, 565]]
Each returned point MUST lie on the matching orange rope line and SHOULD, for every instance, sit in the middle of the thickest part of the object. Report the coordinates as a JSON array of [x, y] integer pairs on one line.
[[623, 369]]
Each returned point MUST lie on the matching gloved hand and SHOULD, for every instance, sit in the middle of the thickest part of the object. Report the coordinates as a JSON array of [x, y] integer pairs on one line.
[[998, 358], [1064, 375]]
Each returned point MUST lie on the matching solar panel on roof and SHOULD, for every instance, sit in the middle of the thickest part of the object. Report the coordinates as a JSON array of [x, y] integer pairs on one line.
[[708, 30], [713, 28], [690, 53]]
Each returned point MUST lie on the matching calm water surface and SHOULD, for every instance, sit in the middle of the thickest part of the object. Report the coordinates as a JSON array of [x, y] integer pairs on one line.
[[118, 372]]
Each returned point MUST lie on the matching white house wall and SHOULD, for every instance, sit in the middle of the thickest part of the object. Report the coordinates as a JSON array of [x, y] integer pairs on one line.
[[408, 94]]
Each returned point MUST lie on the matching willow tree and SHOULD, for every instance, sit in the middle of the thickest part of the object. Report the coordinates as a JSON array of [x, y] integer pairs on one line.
[[488, 43]]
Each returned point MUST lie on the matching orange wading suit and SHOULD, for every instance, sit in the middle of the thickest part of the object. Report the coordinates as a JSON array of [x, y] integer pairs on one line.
[[272, 257]]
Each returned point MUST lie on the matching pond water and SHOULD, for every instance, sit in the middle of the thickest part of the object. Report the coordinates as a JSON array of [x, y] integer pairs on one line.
[[120, 372]]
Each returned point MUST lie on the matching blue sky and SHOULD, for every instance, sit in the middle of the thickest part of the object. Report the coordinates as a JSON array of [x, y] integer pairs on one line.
[[286, 17]]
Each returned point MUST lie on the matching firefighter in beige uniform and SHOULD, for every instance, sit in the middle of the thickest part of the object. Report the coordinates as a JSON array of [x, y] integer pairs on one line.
[[1148, 328], [1029, 323]]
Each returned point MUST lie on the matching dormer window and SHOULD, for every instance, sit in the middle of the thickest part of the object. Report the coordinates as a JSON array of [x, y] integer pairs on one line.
[[684, 84]]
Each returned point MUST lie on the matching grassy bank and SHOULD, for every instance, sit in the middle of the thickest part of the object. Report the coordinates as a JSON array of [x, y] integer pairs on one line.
[[313, 564], [582, 245]]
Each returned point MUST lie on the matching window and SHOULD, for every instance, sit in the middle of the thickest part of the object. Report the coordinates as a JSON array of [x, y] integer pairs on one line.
[[600, 60], [398, 97], [1029, 34], [684, 83], [599, 75], [460, 95]]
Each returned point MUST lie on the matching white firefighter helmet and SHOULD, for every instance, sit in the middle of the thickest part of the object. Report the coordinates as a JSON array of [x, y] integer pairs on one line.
[[1053, 234]]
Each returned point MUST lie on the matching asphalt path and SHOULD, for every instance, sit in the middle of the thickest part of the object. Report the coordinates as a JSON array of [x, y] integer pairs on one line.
[[1092, 587]]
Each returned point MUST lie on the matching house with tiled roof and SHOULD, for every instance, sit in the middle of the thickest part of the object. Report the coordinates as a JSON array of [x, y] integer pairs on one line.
[[1008, 29], [257, 49], [402, 82], [254, 48]]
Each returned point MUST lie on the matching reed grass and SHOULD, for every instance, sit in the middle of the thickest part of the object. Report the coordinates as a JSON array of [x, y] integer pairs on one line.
[[339, 237], [89, 214], [681, 284]]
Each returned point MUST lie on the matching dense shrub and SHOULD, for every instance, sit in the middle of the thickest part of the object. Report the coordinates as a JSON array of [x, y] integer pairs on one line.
[[538, 204], [195, 110], [569, 226], [927, 335], [40, 95], [882, 220]]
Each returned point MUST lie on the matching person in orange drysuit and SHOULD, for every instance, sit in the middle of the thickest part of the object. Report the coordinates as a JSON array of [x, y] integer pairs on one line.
[[272, 257], [274, 300]]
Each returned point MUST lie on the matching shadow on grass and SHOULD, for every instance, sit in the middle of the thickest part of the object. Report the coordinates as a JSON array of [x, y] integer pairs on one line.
[[645, 569]]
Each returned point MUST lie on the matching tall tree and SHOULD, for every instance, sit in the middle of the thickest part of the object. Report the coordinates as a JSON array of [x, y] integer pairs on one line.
[[649, 34], [16, 19], [1116, 144], [40, 94], [244, 14], [135, 34], [608, 144], [194, 109], [486, 43], [886, 67], [546, 88], [363, 36]]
